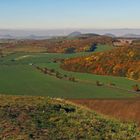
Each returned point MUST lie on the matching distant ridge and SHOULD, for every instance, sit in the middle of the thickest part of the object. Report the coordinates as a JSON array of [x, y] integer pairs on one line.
[[74, 34], [34, 37], [89, 35], [6, 36], [110, 35], [80, 35], [131, 36], [64, 32]]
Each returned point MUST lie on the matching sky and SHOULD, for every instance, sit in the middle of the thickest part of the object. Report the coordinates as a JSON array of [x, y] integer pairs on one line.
[[61, 14]]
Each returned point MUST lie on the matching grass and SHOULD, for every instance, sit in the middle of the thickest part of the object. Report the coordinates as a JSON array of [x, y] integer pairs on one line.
[[101, 48], [125, 110], [19, 78], [121, 82], [56, 119], [25, 80]]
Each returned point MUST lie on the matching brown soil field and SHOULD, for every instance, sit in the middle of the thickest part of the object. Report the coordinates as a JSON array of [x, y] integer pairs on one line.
[[125, 110]]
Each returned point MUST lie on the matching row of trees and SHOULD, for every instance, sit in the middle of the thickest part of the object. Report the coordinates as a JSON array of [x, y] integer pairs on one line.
[[53, 72]]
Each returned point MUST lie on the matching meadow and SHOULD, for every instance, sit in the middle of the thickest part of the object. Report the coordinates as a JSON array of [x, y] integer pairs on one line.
[[19, 77]]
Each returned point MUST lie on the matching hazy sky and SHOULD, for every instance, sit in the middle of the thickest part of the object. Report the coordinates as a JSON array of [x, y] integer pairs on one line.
[[52, 14]]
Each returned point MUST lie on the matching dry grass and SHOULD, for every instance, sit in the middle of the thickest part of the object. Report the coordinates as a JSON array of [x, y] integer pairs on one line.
[[127, 110]]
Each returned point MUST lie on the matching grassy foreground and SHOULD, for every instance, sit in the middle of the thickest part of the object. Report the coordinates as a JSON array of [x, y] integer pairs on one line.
[[44, 118]]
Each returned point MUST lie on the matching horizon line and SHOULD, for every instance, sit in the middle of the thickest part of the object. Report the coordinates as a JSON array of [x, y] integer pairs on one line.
[[69, 28]]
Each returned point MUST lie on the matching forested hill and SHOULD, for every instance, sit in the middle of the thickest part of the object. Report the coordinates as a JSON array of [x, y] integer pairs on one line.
[[123, 61], [55, 45]]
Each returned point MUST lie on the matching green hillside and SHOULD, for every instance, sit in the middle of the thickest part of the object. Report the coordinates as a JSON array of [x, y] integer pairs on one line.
[[18, 77], [42, 118]]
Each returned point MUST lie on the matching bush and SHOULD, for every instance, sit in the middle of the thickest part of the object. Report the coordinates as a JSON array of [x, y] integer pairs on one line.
[[98, 83], [112, 84], [52, 70], [70, 50], [72, 79], [136, 88]]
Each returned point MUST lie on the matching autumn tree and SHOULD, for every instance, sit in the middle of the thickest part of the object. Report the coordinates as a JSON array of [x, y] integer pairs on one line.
[[92, 48]]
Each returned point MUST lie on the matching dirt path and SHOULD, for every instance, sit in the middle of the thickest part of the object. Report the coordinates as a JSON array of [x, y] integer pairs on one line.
[[22, 57]]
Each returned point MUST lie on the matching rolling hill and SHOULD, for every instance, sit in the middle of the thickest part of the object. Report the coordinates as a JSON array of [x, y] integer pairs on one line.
[[55, 45], [74, 34], [44, 118]]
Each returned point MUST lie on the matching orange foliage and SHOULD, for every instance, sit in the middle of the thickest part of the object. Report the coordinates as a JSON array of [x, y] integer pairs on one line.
[[118, 62]]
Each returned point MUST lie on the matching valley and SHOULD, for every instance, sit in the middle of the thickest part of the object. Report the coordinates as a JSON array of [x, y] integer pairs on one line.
[[69, 70], [18, 75], [53, 87]]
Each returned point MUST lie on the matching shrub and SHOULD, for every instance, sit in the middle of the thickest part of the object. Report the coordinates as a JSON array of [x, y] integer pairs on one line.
[[98, 83], [112, 84], [72, 79], [70, 50], [136, 88], [52, 70]]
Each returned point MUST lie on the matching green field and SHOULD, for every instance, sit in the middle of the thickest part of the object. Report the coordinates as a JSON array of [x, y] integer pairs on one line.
[[18, 77]]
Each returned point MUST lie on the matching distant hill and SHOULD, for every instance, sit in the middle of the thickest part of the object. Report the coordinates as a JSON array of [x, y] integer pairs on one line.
[[64, 32], [131, 36], [74, 34], [7, 36], [42, 118], [88, 35], [110, 35], [80, 35], [34, 37]]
